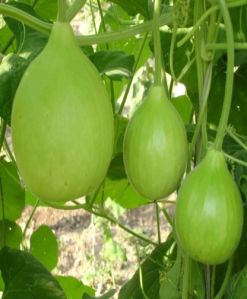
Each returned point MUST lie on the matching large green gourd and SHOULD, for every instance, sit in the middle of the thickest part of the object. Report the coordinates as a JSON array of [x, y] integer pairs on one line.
[[62, 121], [209, 212], [155, 146]]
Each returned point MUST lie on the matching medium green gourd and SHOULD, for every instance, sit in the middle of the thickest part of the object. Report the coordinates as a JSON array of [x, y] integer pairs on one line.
[[62, 122], [209, 212], [155, 146]]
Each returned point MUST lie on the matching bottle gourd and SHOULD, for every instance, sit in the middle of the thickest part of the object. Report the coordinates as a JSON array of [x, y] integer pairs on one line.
[[209, 212], [155, 146], [62, 121]]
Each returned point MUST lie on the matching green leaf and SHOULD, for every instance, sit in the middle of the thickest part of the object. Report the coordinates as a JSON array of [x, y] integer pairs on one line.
[[108, 295], [46, 9], [113, 64], [25, 277], [151, 270], [11, 71], [74, 289], [134, 7], [118, 188], [29, 42], [44, 247], [13, 193], [237, 116], [120, 127], [11, 233], [238, 286], [7, 44], [184, 107], [1, 284], [170, 281]]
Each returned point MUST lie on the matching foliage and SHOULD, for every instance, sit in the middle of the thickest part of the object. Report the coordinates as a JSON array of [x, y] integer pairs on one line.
[[196, 51]]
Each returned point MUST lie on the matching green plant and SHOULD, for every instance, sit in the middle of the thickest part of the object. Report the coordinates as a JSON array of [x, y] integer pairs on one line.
[[200, 44]]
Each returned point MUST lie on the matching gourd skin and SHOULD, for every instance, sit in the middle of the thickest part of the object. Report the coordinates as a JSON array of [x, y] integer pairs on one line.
[[209, 212], [155, 146], [62, 122]]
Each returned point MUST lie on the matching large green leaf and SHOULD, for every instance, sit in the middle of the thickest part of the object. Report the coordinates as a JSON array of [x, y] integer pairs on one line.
[[13, 193], [10, 234], [44, 247], [25, 277], [74, 289], [151, 270]]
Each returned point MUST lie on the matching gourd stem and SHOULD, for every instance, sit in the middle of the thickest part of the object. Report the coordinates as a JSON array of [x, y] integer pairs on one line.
[[200, 66], [157, 208], [229, 77], [157, 44], [226, 280], [205, 16], [102, 215], [186, 277], [61, 17], [213, 281], [132, 76]]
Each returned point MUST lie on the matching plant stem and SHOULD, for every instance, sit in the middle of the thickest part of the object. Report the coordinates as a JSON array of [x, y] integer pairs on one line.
[[167, 216], [186, 277], [240, 162], [93, 18], [205, 16], [200, 65], [223, 46], [207, 274], [157, 44], [2, 133], [61, 17], [29, 220], [132, 77], [157, 208], [238, 140], [102, 215], [11, 156], [74, 9], [147, 26], [108, 48], [20, 15], [229, 77], [213, 281], [226, 280], [45, 27], [204, 95], [3, 213]]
